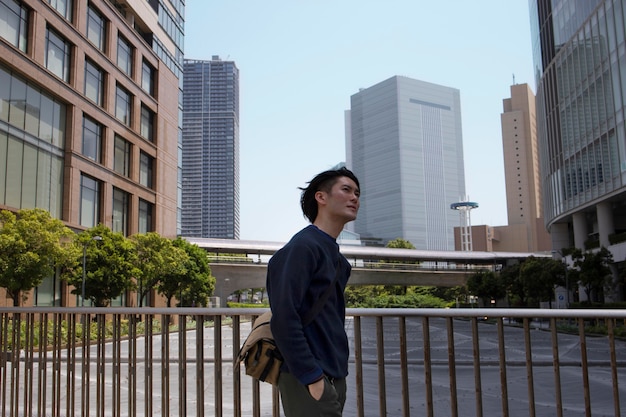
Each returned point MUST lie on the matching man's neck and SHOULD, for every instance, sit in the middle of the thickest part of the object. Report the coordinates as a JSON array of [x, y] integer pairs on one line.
[[330, 228]]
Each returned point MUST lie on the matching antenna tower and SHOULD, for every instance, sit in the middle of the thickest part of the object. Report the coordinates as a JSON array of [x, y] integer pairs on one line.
[[464, 207]]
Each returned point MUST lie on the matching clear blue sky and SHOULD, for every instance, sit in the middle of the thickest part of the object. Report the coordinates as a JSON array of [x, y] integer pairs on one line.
[[300, 61]]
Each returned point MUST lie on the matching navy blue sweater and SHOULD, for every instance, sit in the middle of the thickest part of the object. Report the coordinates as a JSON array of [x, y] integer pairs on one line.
[[297, 276]]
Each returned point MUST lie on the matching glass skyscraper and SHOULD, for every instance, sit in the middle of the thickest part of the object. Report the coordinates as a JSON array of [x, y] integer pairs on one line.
[[580, 67], [210, 154], [405, 145]]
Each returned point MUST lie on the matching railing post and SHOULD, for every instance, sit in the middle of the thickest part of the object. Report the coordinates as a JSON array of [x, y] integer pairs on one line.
[[41, 375]]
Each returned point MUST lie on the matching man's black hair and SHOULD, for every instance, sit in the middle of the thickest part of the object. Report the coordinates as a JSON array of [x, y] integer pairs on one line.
[[322, 182]]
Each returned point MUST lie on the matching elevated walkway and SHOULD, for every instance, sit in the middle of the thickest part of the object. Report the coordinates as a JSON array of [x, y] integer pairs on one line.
[[371, 265]]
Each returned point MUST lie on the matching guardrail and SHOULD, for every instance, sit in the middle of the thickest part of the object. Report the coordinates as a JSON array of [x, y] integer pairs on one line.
[[405, 362]]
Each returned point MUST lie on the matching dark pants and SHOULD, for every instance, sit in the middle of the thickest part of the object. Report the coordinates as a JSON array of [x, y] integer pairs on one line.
[[297, 402]]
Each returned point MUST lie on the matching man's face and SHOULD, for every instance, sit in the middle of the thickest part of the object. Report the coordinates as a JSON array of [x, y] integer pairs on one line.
[[343, 200]]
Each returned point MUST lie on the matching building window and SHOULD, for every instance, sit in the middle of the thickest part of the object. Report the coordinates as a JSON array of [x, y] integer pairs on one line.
[[92, 139], [145, 217], [121, 157], [145, 170], [120, 211], [94, 82], [89, 201], [48, 293], [125, 56], [27, 108], [31, 174], [96, 27], [147, 78], [30, 177], [58, 55], [62, 6], [14, 23], [147, 123], [123, 103]]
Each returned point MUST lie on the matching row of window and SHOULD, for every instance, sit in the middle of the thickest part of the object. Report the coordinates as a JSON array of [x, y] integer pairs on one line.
[[91, 208], [93, 134], [57, 59], [96, 32], [42, 118]]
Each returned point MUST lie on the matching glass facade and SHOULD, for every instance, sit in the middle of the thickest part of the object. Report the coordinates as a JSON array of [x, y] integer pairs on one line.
[[580, 66], [32, 131], [406, 148]]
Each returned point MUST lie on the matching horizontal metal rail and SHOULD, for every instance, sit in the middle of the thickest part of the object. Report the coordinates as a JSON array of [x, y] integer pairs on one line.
[[404, 362]]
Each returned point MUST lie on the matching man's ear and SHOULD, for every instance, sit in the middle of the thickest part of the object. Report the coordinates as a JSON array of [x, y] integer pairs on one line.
[[320, 197]]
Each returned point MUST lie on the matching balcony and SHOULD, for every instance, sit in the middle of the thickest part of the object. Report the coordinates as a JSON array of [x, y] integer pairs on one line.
[[404, 362]]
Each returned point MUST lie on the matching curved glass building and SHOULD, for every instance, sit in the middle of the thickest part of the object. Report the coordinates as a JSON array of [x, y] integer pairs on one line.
[[580, 69]]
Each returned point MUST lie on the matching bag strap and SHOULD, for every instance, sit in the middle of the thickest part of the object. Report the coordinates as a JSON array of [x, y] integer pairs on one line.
[[317, 307]]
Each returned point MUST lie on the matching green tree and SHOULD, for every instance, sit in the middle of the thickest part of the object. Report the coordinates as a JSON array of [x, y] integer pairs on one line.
[[398, 243], [158, 258], [32, 246], [486, 285], [510, 275], [193, 284], [539, 277], [111, 266], [593, 270], [360, 295]]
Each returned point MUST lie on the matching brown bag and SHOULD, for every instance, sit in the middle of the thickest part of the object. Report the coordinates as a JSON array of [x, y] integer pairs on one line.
[[259, 352]]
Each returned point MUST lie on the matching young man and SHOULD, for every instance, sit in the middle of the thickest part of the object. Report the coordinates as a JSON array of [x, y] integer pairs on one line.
[[313, 376]]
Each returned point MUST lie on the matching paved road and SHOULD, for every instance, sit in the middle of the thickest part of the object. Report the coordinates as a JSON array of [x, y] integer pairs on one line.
[[569, 350], [543, 373]]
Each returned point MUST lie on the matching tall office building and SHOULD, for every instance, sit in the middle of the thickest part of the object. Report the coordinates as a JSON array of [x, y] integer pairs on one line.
[[404, 143], [526, 231], [89, 100], [580, 67], [210, 197]]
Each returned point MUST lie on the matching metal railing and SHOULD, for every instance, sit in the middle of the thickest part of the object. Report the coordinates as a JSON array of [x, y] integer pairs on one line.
[[404, 362]]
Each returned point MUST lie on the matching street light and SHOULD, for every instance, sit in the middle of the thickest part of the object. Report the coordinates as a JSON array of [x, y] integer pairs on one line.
[[226, 280], [82, 300], [564, 261]]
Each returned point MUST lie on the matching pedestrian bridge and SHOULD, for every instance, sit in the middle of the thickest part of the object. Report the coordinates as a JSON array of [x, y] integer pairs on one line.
[[241, 264]]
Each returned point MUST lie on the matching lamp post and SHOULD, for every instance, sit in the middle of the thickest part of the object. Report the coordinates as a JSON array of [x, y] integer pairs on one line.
[[226, 280], [564, 261], [98, 238]]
